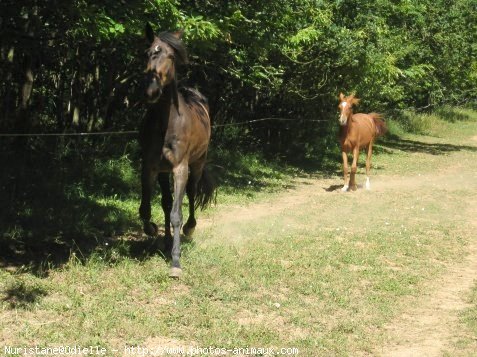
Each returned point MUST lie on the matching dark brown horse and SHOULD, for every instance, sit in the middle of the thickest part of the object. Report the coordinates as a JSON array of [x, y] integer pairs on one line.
[[174, 138], [357, 131]]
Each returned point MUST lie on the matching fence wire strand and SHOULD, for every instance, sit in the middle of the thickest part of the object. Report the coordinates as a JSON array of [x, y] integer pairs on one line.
[[135, 132]]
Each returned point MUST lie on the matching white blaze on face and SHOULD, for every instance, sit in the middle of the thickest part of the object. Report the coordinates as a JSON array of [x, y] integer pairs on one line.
[[343, 118]]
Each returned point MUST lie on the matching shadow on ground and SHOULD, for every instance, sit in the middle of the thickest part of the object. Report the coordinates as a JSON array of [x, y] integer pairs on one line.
[[395, 143], [57, 200], [22, 295]]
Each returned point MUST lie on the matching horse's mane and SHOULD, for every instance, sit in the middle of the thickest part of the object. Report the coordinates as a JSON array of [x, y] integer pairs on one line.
[[192, 95], [176, 44]]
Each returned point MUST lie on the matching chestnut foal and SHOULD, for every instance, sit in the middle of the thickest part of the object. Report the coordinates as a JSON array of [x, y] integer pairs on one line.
[[358, 131]]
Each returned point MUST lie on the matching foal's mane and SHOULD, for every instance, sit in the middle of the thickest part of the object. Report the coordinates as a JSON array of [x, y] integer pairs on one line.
[[351, 99], [176, 43]]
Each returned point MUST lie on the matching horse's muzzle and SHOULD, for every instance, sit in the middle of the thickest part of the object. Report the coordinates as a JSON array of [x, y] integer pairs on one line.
[[153, 88]]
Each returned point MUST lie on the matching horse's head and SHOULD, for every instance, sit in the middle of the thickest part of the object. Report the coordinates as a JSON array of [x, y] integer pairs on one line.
[[165, 52], [346, 107]]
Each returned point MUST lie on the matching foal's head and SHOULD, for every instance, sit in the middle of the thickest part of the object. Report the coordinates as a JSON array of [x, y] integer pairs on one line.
[[165, 52], [346, 107]]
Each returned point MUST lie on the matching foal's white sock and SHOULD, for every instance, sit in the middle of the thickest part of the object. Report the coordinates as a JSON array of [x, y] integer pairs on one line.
[[368, 184]]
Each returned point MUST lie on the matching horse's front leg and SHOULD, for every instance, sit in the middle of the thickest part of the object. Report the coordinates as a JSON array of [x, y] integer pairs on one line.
[[345, 171], [354, 168], [166, 203], [181, 173], [148, 179]]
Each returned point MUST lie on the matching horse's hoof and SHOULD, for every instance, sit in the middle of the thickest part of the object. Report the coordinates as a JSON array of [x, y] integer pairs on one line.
[[188, 231], [189, 227], [150, 229], [345, 188], [175, 273], [354, 188]]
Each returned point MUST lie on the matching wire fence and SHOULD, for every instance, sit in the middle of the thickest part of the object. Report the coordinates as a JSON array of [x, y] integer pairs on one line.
[[135, 132], [99, 133]]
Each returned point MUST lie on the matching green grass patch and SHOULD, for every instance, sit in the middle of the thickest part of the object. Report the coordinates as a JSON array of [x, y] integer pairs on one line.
[[465, 341]]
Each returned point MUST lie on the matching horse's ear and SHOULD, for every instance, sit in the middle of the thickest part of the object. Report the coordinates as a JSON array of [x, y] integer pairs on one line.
[[149, 33], [355, 100], [342, 96], [178, 34]]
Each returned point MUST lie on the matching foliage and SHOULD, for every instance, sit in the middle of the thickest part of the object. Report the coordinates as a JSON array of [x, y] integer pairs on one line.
[[83, 60]]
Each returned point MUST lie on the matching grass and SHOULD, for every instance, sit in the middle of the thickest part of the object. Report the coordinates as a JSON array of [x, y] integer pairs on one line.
[[466, 342], [323, 273], [434, 123], [300, 284]]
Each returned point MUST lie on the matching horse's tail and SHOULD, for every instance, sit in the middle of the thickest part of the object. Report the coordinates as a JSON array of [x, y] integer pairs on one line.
[[206, 190], [381, 127]]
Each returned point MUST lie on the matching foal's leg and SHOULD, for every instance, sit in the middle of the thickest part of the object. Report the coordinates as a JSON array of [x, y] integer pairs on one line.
[[354, 168], [181, 173], [345, 171], [148, 179], [166, 203], [368, 165]]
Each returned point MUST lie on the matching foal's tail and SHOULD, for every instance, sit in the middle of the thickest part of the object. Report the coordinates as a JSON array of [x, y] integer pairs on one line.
[[381, 127], [206, 190]]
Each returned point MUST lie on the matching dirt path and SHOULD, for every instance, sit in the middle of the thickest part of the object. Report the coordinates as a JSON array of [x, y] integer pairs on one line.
[[427, 327], [430, 327]]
